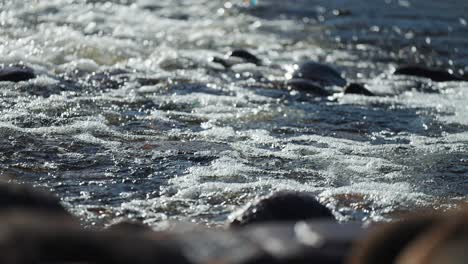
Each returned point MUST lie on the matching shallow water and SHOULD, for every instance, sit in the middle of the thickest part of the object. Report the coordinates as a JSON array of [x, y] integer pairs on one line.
[[128, 117]]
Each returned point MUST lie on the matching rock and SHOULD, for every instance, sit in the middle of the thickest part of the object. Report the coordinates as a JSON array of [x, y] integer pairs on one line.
[[126, 225], [317, 241], [111, 79], [281, 206], [24, 197], [356, 88], [245, 56], [321, 73], [307, 86], [16, 74], [237, 56], [23, 236], [342, 12], [221, 246], [433, 74], [34, 238], [386, 241], [224, 62], [443, 243]]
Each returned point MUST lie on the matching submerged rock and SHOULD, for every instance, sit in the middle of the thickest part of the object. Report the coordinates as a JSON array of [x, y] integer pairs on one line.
[[356, 88], [307, 86], [111, 79], [245, 56], [321, 73], [16, 74], [281, 206], [433, 74], [237, 56], [224, 62]]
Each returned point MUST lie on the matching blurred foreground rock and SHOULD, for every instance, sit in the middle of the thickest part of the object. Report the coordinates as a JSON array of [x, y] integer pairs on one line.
[[287, 228]]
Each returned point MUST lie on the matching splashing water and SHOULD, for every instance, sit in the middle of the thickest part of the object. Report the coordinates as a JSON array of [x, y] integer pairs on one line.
[[127, 117]]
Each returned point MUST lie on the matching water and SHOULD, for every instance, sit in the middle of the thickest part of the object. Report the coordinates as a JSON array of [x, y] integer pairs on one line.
[[129, 118]]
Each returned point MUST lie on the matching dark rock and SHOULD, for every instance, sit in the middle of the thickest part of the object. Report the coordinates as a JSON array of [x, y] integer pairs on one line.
[[113, 79], [16, 74], [24, 197], [443, 243], [21, 232], [386, 241], [280, 207], [244, 55], [318, 241], [433, 74], [356, 88], [221, 246], [236, 57], [321, 73], [224, 62], [128, 226], [26, 238], [342, 12], [307, 86], [149, 81]]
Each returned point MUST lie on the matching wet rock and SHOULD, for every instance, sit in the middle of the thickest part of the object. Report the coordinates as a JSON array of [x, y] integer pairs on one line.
[[307, 86], [150, 81], [224, 62], [321, 73], [221, 246], [24, 197], [356, 88], [237, 56], [148, 5], [443, 243], [318, 241], [342, 12], [385, 242], [433, 74], [126, 225], [280, 207], [22, 232], [26, 238], [16, 74], [112, 79], [245, 56]]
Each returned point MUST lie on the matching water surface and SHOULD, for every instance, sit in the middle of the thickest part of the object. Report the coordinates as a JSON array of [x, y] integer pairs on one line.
[[128, 117]]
